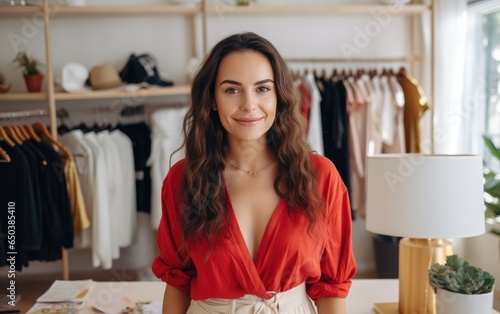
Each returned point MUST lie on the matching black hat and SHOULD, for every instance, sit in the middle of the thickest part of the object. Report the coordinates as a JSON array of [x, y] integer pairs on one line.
[[142, 68]]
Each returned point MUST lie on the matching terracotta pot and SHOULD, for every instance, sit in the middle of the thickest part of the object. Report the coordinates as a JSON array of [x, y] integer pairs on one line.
[[33, 82]]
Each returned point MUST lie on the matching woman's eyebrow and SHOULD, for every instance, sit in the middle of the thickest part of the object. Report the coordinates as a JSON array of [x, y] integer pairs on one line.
[[239, 84]]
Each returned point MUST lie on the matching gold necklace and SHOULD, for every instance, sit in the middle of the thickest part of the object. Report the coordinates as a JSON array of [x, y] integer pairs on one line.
[[252, 173]]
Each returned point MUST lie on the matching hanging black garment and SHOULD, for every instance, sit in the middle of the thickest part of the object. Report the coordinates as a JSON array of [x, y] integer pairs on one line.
[[18, 186], [335, 127], [140, 135], [57, 217]]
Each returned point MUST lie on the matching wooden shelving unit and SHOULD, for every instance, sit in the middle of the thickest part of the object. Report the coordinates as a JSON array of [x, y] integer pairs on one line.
[[24, 97], [125, 10], [154, 92], [320, 9], [15, 11]]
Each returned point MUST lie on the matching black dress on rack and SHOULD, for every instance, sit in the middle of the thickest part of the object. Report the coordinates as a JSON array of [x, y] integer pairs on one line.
[[140, 135], [57, 221], [335, 127], [17, 186]]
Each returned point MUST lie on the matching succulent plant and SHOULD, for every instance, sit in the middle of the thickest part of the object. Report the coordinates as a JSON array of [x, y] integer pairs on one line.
[[458, 275]]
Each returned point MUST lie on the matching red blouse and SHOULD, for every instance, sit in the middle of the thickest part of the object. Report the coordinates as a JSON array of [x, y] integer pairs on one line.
[[288, 255]]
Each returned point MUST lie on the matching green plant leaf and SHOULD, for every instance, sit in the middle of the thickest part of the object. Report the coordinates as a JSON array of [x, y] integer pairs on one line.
[[495, 151], [29, 66], [492, 186], [494, 207]]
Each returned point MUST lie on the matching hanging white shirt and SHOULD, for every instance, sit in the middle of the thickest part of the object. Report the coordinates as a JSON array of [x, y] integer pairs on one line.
[[128, 213], [315, 132], [116, 201], [388, 123], [166, 133], [84, 160], [101, 222]]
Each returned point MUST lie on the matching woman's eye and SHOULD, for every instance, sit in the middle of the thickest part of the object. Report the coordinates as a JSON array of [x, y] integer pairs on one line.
[[263, 89], [232, 91]]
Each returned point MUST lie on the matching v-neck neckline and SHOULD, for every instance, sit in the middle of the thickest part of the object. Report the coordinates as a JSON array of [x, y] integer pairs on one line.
[[254, 265], [241, 240]]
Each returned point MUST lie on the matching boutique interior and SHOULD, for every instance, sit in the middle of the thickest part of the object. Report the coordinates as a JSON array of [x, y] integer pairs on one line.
[[415, 76]]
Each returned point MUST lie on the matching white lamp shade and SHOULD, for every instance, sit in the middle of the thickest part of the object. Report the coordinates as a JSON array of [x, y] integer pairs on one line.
[[425, 196]]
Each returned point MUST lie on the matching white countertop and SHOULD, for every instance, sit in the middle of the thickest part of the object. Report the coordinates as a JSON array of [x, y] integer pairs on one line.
[[364, 293]]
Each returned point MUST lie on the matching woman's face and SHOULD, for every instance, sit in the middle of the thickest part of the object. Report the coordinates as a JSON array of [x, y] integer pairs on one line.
[[245, 95]]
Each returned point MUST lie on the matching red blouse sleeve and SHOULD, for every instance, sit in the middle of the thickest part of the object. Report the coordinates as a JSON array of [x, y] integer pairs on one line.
[[171, 266], [338, 265]]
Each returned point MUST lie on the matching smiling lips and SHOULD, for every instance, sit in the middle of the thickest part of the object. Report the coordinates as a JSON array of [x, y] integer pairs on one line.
[[248, 121]]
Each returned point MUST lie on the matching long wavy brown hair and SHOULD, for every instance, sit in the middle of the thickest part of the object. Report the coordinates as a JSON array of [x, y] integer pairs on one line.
[[206, 145]]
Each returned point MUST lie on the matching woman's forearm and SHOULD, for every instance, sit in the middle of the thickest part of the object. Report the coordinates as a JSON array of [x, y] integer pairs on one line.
[[175, 301], [331, 305]]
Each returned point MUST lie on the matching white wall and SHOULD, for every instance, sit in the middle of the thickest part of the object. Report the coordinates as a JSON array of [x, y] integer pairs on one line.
[[93, 41]]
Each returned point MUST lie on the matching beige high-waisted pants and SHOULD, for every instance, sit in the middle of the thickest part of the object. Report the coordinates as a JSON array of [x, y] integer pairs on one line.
[[293, 301]]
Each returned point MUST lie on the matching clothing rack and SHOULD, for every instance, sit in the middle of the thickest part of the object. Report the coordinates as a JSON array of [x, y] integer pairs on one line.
[[37, 113], [23, 113], [353, 60]]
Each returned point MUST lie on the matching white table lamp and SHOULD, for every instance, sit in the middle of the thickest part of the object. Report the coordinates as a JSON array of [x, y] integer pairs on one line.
[[424, 199]]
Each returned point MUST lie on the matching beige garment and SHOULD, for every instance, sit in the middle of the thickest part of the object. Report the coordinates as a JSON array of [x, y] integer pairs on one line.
[[357, 111], [78, 209], [293, 301]]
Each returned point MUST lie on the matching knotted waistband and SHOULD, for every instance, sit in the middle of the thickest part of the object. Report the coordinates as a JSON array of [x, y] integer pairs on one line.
[[280, 302]]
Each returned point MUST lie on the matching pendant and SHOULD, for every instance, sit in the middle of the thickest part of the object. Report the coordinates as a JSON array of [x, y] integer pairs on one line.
[[252, 173]]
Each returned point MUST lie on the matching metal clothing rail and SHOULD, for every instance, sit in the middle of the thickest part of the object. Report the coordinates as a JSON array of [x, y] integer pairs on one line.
[[361, 60], [23, 113]]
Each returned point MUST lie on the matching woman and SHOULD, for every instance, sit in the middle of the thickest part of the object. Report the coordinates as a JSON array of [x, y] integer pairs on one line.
[[252, 221]]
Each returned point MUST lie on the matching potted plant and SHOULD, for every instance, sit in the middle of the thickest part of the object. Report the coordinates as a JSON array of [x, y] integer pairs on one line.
[[461, 287], [4, 86], [31, 72]]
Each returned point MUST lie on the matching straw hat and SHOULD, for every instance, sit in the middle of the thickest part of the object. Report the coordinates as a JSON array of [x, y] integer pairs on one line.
[[104, 77]]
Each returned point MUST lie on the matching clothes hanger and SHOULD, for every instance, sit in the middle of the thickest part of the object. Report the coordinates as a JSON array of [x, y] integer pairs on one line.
[[6, 138], [23, 132], [42, 129], [4, 155], [343, 74], [335, 74], [32, 132], [13, 135], [19, 134]]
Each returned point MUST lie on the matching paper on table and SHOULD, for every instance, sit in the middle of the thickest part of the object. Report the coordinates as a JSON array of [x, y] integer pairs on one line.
[[152, 308], [115, 306], [56, 308], [67, 291]]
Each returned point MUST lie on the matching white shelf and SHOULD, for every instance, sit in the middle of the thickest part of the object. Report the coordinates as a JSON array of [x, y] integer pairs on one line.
[[322, 9]]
